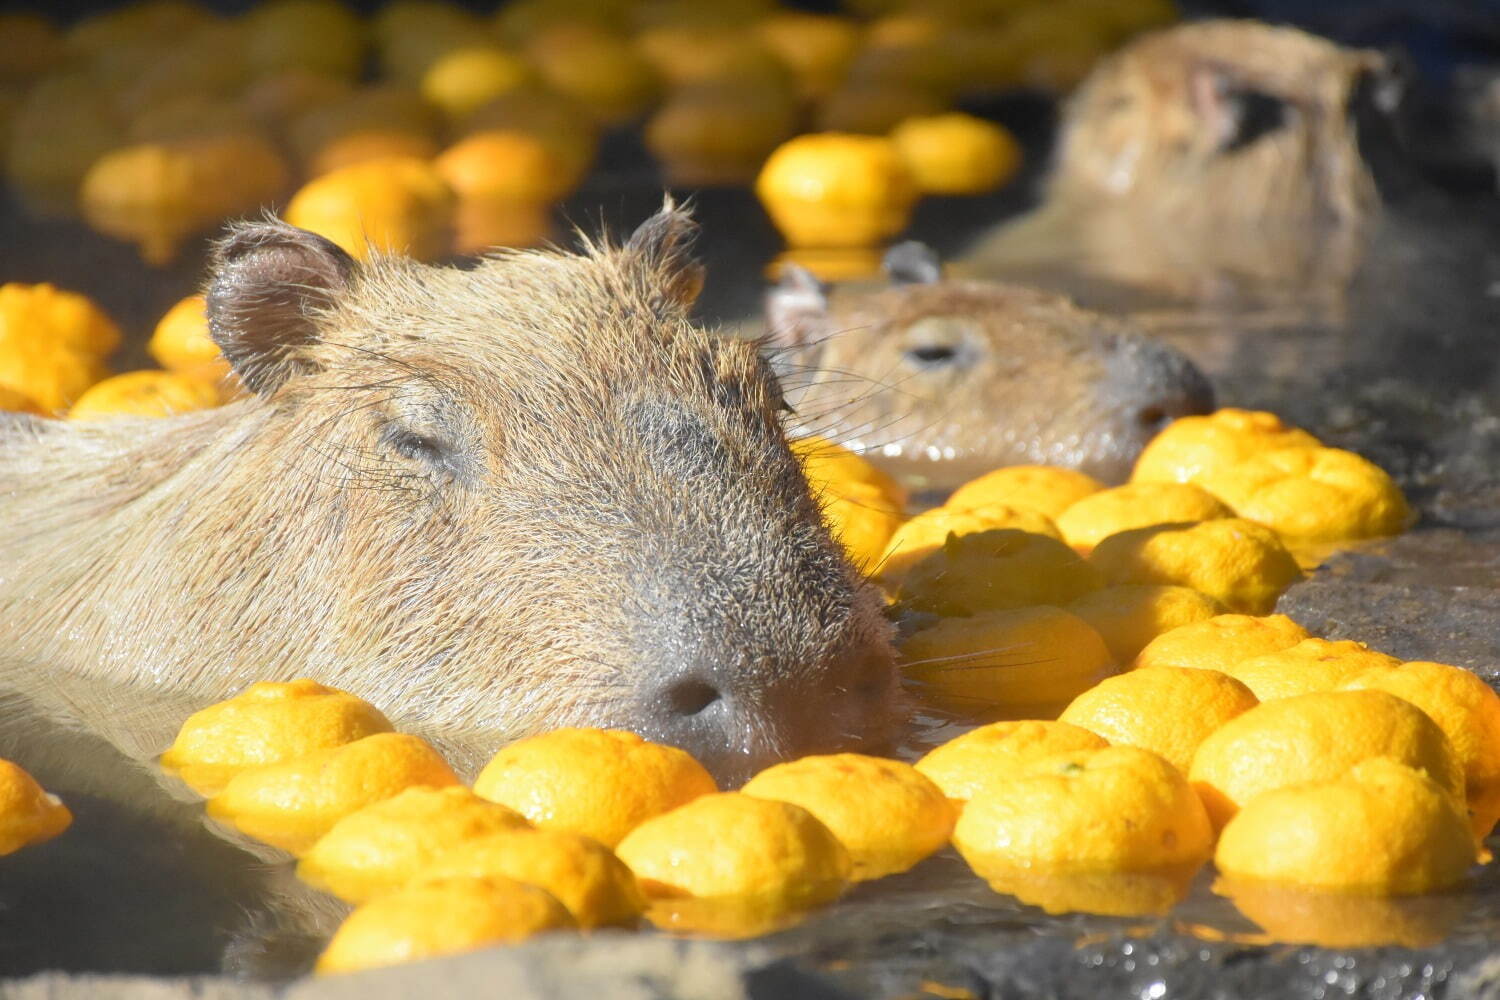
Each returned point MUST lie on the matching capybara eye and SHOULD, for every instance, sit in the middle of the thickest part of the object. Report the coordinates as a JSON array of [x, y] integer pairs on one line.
[[422, 448], [933, 355]]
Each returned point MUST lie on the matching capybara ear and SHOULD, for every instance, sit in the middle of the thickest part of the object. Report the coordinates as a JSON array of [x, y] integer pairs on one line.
[[912, 263], [666, 241], [270, 280], [796, 308]]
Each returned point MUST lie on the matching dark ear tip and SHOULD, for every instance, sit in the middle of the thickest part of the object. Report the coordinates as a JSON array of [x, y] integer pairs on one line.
[[912, 263], [269, 281], [666, 241], [270, 233], [669, 232]]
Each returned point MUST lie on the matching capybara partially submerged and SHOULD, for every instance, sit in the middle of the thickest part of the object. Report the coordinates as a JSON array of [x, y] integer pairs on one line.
[[491, 501], [942, 380], [1204, 160]]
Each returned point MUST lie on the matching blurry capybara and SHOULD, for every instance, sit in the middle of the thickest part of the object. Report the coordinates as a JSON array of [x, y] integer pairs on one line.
[[941, 380], [1203, 160], [491, 501]]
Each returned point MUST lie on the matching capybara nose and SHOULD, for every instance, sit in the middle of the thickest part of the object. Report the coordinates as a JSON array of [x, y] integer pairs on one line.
[[1191, 397], [737, 718], [690, 697], [1159, 382]]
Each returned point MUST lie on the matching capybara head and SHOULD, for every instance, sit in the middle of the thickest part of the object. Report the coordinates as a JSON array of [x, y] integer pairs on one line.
[[1226, 122], [944, 380], [496, 500]]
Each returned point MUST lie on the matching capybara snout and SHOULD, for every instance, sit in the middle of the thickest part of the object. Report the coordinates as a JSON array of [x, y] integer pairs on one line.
[[493, 501]]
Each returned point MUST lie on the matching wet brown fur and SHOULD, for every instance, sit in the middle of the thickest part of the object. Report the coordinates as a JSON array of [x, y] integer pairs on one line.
[[1150, 188], [1033, 379], [616, 501]]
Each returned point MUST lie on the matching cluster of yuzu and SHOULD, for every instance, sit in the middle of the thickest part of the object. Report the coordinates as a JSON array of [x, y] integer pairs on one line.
[[573, 829], [431, 128], [53, 350]]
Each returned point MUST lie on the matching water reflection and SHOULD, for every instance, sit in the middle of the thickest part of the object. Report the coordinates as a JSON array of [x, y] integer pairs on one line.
[[1290, 915], [1112, 894], [727, 919]]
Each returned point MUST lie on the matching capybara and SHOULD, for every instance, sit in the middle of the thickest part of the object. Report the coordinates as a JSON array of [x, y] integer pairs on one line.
[[491, 501], [942, 380], [1206, 161]]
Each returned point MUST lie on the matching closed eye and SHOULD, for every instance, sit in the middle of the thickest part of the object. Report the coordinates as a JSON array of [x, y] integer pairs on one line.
[[427, 449], [933, 354]]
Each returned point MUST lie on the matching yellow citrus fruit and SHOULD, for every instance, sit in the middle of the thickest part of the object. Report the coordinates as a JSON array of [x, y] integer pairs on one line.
[[1136, 505], [582, 873], [28, 815], [1221, 641], [267, 723], [861, 517], [686, 56], [598, 69], [1240, 563], [49, 315], [13, 401], [1311, 665], [1381, 828], [1167, 710], [816, 48], [718, 133], [1316, 737], [293, 803], [1466, 709], [144, 394], [1120, 809], [358, 145], [599, 782], [924, 534], [441, 918], [836, 189], [1047, 489], [1192, 448], [1293, 914], [1022, 663], [397, 205], [464, 80], [30, 45], [51, 343], [509, 165], [731, 844], [1314, 494], [995, 570], [1129, 615], [181, 341], [887, 815], [828, 464], [382, 846], [965, 765], [319, 35], [49, 376], [955, 153]]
